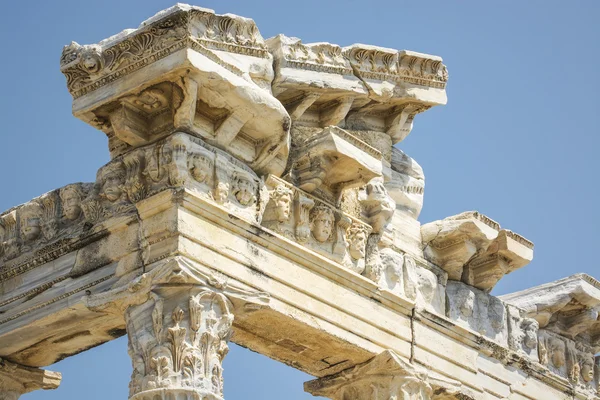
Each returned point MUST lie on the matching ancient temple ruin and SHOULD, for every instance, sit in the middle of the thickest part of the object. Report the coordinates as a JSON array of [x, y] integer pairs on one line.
[[254, 194]]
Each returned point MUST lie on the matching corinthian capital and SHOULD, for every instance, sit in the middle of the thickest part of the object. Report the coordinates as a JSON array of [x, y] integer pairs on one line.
[[179, 320]]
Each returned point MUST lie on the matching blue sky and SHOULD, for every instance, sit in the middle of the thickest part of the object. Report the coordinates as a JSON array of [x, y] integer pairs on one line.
[[517, 141]]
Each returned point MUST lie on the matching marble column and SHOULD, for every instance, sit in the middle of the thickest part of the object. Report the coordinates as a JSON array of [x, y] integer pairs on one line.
[[16, 380], [179, 318]]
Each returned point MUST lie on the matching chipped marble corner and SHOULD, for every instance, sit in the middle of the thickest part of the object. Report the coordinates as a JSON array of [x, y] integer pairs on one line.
[[203, 73], [472, 248], [478, 311], [315, 224], [359, 87], [16, 380]]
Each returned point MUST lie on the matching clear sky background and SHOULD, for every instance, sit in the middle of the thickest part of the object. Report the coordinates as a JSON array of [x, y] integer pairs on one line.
[[517, 141]]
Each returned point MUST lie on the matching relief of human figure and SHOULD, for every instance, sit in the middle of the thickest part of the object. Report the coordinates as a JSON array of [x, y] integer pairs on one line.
[[201, 168], [111, 182], [557, 352], [281, 197], [357, 241], [244, 190], [530, 330], [71, 197], [31, 221], [322, 223]]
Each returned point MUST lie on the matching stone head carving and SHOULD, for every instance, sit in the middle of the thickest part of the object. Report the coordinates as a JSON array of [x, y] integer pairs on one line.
[[282, 199], [244, 189], [465, 299], [111, 182], [31, 221], [357, 241], [496, 313], [201, 168], [557, 349], [322, 223], [153, 164], [530, 329], [71, 197], [587, 368], [91, 59], [378, 205]]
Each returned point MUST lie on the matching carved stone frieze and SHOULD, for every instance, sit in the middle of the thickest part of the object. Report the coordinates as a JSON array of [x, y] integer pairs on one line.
[[318, 225], [185, 69], [64, 219], [478, 311], [472, 248], [569, 307]]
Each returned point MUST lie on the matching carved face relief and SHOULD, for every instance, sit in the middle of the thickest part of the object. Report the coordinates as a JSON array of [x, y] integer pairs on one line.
[[466, 300], [357, 238], [557, 352], [201, 168], [112, 184], [71, 197], [31, 216], [496, 312], [587, 370], [221, 192], [244, 190], [530, 340], [322, 221], [282, 198], [91, 59], [153, 169]]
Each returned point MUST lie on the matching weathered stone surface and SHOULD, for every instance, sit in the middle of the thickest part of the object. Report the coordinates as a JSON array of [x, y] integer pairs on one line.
[[186, 69], [386, 376], [567, 310], [16, 380], [472, 248], [254, 195]]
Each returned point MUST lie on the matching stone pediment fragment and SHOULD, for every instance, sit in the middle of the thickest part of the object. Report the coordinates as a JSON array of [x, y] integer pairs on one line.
[[185, 69], [359, 87], [569, 307], [332, 160], [474, 249]]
